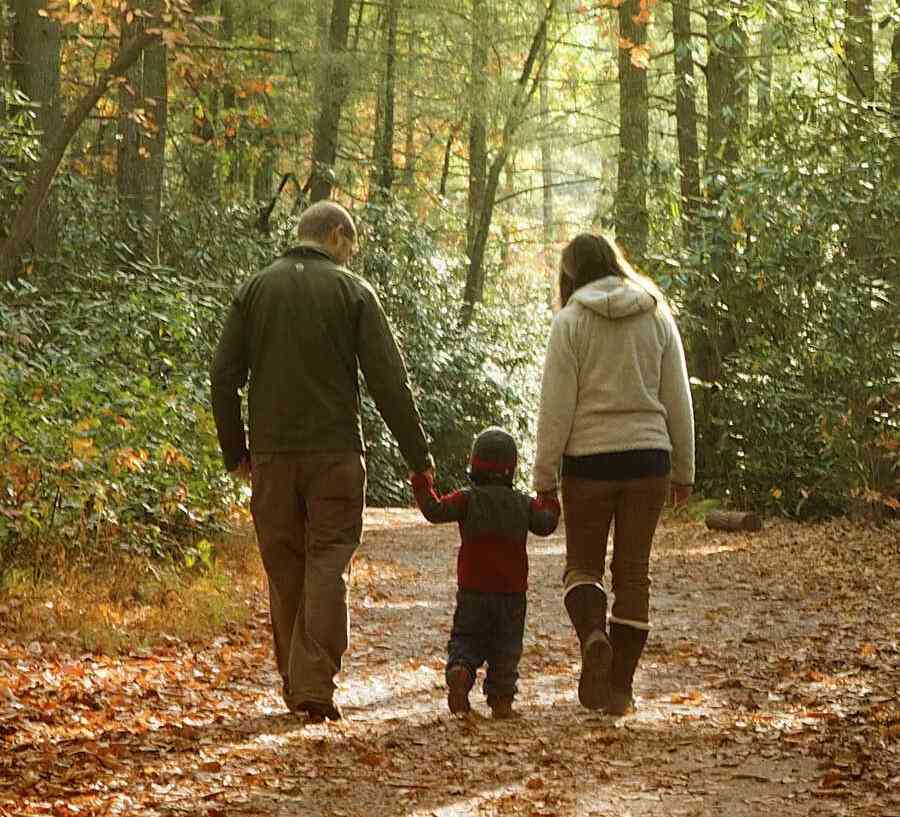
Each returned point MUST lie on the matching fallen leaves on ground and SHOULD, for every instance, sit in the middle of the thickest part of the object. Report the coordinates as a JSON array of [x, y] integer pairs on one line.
[[769, 686]]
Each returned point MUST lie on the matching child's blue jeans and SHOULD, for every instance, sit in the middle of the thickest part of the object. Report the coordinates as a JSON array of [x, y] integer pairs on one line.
[[489, 627]]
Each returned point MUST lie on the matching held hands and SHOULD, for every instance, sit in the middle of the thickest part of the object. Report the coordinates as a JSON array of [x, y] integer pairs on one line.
[[428, 473], [679, 495], [242, 472]]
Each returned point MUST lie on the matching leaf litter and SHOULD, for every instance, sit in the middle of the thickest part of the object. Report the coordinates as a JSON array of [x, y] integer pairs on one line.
[[769, 686]]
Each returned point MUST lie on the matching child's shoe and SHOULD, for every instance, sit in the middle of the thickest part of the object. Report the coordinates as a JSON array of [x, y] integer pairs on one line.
[[501, 707], [459, 681]]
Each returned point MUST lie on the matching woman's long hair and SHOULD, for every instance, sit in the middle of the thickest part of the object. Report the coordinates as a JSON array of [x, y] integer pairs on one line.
[[589, 257]]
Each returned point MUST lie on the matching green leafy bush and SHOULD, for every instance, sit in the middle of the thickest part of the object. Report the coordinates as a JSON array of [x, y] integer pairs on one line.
[[805, 417], [105, 425]]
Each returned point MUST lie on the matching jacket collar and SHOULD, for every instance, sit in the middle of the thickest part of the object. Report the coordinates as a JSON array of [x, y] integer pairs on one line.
[[306, 249]]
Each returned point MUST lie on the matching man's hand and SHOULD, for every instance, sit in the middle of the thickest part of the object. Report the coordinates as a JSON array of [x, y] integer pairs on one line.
[[680, 494], [242, 472], [428, 472]]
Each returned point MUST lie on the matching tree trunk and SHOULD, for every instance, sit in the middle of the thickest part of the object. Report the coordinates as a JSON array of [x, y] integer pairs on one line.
[[445, 166], [524, 92], [35, 68], [141, 140], [863, 238], [236, 177], [686, 119], [25, 221], [766, 68], [409, 148], [547, 218], [386, 163], [726, 88], [477, 124], [859, 48], [632, 222], [895, 99], [266, 160], [332, 91]]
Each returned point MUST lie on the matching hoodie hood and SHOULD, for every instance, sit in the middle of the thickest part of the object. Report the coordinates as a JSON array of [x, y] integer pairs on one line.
[[613, 297]]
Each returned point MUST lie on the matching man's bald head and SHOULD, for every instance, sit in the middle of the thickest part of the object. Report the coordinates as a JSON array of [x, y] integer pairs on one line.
[[319, 221]]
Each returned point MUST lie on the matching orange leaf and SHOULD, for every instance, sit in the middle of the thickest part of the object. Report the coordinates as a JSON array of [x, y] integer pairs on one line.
[[640, 57]]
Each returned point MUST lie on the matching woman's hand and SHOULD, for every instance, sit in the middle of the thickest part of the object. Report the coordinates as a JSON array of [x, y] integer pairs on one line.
[[680, 494]]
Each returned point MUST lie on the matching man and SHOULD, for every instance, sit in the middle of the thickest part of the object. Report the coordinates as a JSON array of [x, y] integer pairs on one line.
[[301, 329]]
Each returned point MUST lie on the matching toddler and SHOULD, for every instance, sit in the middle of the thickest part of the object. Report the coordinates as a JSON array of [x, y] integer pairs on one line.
[[492, 569]]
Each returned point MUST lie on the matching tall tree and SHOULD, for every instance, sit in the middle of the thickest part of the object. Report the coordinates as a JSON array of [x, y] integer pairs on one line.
[[25, 221], [766, 65], [331, 93], [478, 159], [141, 138], [726, 86], [860, 50], [35, 69], [382, 175], [632, 221], [686, 119], [409, 147], [266, 160], [547, 218], [523, 94], [232, 105]]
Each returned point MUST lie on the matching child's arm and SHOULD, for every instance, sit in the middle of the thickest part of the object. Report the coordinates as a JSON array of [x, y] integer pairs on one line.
[[543, 516], [449, 508]]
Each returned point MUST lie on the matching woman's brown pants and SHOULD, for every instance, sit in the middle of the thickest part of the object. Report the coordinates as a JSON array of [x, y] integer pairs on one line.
[[590, 507]]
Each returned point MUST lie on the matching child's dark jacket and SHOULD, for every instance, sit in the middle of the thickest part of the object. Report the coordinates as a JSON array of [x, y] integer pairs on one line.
[[494, 522]]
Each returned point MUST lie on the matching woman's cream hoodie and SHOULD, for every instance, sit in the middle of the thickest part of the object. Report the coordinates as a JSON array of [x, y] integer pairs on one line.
[[615, 379]]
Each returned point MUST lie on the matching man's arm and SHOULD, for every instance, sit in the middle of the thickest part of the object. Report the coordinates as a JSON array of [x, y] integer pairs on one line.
[[543, 515], [386, 377], [228, 374], [449, 508]]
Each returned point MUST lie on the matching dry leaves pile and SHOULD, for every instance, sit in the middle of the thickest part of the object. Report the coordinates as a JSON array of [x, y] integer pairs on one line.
[[769, 687]]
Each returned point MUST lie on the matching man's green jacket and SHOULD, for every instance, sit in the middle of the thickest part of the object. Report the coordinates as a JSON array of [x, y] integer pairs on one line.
[[302, 328]]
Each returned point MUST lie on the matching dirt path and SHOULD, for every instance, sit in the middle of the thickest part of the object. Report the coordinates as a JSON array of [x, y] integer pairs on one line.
[[769, 687]]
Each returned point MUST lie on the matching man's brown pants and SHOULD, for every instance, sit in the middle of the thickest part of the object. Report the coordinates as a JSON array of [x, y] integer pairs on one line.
[[307, 509], [590, 506]]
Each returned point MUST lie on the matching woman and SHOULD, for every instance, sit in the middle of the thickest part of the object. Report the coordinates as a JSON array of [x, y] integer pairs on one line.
[[616, 409]]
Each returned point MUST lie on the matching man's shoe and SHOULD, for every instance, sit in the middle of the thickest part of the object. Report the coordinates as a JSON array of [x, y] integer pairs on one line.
[[317, 712], [501, 707], [459, 681]]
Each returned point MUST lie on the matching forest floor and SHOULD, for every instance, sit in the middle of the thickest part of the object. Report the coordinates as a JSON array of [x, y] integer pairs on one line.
[[769, 687]]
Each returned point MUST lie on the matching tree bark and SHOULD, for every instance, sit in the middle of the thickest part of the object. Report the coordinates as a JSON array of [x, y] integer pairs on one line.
[[726, 88], [860, 50], [35, 68], [266, 160], [895, 99], [524, 92], [445, 166], [409, 148], [143, 106], [386, 160], [766, 68], [632, 221], [477, 124], [686, 119], [331, 92], [24, 223], [547, 218]]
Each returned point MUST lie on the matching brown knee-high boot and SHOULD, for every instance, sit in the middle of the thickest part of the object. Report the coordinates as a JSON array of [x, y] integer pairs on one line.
[[627, 644], [586, 606]]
